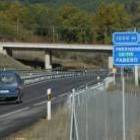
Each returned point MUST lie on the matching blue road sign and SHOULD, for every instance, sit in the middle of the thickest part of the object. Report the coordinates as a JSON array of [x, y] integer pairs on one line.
[[126, 55], [125, 38]]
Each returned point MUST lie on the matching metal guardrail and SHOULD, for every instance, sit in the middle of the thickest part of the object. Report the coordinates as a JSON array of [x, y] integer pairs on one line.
[[31, 78]]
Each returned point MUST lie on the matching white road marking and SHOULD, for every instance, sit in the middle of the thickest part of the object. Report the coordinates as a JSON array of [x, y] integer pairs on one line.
[[35, 83], [14, 112], [40, 103], [43, 102], [62, 95], [53, 98]]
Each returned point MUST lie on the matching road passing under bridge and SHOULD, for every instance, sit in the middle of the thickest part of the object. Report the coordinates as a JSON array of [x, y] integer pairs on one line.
[[14, 117]]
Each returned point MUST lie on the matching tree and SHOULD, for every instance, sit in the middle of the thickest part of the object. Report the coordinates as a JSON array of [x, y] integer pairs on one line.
[[75, 25], [13, 15], [136, 17], [110, 18]]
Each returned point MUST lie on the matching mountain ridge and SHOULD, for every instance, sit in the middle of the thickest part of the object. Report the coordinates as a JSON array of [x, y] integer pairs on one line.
[[89, 5]]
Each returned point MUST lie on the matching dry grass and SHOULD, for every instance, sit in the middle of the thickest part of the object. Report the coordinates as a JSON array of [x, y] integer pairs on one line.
[[111, 87], [78, 65], [10, 63], [129, 85], [135, 133], [56, 129]]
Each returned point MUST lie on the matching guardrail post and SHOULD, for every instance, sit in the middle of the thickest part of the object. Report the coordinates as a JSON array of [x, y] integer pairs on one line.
[[49, 96], [98, 79]]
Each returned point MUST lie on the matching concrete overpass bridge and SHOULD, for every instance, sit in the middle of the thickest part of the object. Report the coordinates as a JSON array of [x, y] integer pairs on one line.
[[8, 47]]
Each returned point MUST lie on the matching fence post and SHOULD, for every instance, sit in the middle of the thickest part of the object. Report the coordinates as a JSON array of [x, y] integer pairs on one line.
[[72, 116], [86, 109], [74, 127], [49, 96]]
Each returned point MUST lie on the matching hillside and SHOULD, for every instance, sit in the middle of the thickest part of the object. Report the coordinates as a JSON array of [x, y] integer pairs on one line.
[[57, 21], [89, 5], [10, 63]]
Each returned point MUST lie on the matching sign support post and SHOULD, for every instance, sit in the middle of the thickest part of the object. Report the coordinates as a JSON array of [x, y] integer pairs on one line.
[[136, 76], [123, 104], [126, 49], [114, 75], [114, 78]]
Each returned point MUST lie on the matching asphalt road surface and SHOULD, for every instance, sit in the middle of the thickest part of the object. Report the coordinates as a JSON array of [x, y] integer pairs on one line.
[[14, 117]]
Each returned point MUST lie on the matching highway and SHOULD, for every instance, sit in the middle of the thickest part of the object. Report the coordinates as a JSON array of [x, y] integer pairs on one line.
[[14, 117]]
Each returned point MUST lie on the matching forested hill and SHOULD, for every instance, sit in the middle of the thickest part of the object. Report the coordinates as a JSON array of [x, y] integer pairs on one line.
[[36, 21], [90, 5]]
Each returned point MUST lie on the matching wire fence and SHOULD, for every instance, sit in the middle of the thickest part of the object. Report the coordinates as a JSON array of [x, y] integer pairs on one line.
[[97, 112]]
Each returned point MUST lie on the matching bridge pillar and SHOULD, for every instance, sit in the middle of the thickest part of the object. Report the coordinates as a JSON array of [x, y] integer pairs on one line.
[[9, 52], [1, 49], [110, 63], [48, 60]]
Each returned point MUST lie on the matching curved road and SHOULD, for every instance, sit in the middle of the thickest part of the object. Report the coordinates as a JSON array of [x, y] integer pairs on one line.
[[14, 117]]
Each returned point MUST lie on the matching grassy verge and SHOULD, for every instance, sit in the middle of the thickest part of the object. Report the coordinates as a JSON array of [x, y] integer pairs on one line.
[[7, 62], [56, 129], [129, 85]]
